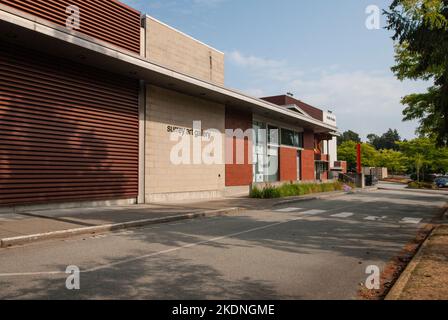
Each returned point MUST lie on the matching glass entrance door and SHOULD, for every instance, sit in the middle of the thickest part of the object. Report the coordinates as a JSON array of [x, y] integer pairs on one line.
[[260, 149], [273, 158], [266, 153]]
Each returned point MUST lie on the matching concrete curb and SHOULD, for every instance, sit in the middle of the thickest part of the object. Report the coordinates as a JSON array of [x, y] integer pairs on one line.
[[440, 193], [400, 284], [62, 234], [324, 196], [306, 198]]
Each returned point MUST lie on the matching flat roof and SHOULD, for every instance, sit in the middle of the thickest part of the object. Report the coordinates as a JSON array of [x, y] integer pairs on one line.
[[28, 30], [182, 33]]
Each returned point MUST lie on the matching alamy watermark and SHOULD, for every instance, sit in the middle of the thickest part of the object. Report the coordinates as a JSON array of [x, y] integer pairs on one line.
[[373, 281], [73, 281], [196, 146], [373, 20], [73, 21]]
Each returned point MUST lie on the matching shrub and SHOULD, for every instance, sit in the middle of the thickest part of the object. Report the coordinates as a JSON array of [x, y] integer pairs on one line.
[[295, 189], [271, 192], [421, 185], [255, 193]]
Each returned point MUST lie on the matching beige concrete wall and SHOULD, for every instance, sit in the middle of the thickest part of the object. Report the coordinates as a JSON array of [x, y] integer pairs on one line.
[[175, 50], [163, 179]]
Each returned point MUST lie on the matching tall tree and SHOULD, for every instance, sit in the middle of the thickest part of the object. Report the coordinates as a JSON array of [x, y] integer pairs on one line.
[[435, 159], [421, 36], [347, 152], [387, 141], [349, 136], [393, 160]]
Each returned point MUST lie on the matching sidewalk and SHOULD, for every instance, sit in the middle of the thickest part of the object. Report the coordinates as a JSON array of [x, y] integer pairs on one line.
[[426, 277], [22, 228]]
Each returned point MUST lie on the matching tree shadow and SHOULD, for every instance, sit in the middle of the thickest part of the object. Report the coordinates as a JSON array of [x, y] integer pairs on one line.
[[159, 278], [196, 272]]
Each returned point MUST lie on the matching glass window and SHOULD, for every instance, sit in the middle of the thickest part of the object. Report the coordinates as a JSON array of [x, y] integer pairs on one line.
[[291, 138], [273, 135]]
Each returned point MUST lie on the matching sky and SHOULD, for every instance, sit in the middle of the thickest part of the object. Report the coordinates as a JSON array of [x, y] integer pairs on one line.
[[319, 50]]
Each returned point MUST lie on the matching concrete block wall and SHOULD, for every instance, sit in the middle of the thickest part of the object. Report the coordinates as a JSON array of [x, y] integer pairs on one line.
[[175, 50], [163, 179]]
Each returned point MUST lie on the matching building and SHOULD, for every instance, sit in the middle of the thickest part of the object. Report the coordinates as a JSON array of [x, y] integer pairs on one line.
[[95, 97]]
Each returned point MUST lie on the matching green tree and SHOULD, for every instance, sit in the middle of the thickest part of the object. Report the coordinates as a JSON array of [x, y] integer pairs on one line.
[[434, 158], [347, 152], [419, 162], [387, 141], [394, 161], [349, 136], [421, 37]]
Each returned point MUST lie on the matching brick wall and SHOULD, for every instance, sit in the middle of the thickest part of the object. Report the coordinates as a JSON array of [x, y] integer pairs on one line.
[[288, 164], [308, 165], [238, 174], [308, 140], [284, 100]]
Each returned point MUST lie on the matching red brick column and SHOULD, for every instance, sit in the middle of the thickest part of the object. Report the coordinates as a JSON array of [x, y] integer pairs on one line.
[[308, 156], [238, 174], [308, 165], [288, 164]]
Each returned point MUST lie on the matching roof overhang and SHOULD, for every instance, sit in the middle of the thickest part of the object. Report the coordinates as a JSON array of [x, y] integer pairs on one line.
[[27, 30]]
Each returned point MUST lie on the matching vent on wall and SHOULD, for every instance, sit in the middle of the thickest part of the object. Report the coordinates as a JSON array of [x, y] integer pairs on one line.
[[67, 132], [107, 20]]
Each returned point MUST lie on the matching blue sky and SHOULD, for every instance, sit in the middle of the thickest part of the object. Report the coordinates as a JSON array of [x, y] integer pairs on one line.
[[320, 50]]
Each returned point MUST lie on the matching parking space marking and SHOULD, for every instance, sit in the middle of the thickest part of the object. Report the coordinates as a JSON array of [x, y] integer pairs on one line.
[[313, 212], [411, 220], [375, 218], [343, 215], [292, 209], [153, 254]]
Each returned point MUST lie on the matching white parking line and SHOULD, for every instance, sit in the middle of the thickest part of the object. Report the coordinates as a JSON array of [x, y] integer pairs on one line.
[[343, 215], [154, 254], [288, 210], [411, 220], [375, 218], [313, 212]]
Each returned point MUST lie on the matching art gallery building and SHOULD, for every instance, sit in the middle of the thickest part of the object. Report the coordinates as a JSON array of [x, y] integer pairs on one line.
[[87, 112]]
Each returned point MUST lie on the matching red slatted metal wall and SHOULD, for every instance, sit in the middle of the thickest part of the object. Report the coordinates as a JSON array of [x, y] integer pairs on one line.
[[107, 20], [67, 132]]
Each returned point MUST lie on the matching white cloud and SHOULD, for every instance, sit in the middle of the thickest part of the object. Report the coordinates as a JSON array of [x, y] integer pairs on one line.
[[253, 61], [364, 101], [262, 68]]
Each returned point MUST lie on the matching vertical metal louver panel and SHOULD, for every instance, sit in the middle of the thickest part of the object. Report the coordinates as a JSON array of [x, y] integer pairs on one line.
[[67, 132], [107, 20]]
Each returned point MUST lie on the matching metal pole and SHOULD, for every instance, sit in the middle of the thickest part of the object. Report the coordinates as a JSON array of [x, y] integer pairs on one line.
[[359, 158]]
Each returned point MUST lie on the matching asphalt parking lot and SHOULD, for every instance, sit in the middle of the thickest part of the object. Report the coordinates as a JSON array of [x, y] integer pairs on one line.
[[317, 249]]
